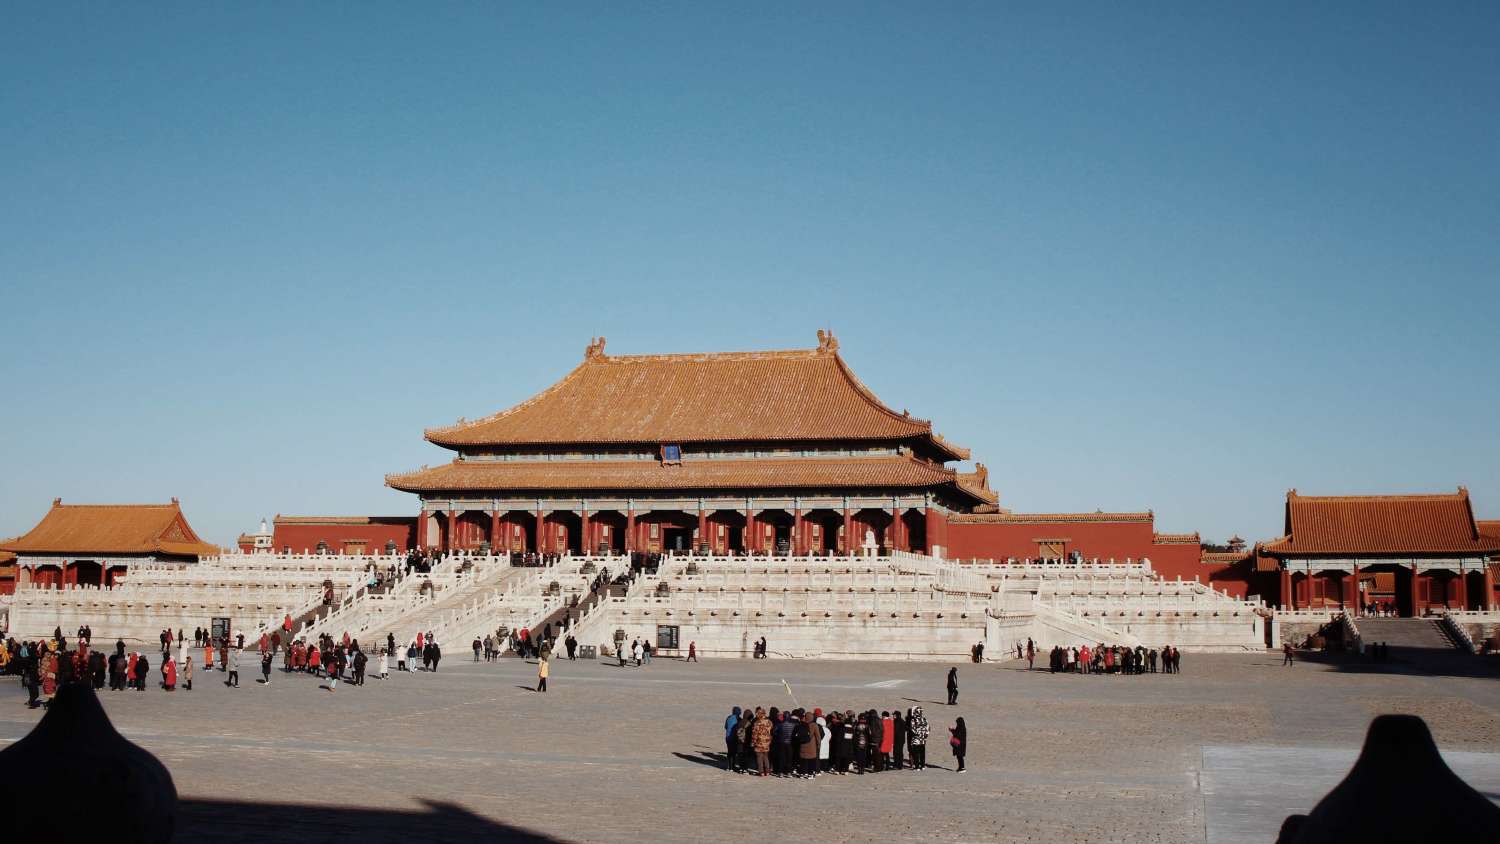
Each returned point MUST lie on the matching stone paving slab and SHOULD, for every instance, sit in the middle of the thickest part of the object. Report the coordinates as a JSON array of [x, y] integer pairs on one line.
[[627, 754]]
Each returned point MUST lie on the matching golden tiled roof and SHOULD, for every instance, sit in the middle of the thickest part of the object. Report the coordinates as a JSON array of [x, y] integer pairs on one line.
[[1489, 528], [324, 520], [1047, 518], [1175, 539], [978, 482], [112, 529], [1224, 557], [770, 473], [1381, 524], [805, 394]]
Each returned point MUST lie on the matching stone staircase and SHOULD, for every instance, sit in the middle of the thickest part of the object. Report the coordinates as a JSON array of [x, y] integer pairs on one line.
[[1406, 633]]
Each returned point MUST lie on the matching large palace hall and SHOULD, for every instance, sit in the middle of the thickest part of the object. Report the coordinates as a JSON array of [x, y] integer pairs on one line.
[[787, 453]]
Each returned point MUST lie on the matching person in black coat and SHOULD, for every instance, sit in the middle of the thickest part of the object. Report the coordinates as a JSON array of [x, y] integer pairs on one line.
[[953, 686], [959, 741], [96, 668], [898, 725]]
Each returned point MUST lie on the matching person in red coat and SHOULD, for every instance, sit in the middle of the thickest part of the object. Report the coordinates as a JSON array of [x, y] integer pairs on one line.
[[169, 674]]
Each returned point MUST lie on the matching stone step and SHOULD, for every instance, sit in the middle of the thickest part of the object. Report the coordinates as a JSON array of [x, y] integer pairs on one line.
[[1405, 632]]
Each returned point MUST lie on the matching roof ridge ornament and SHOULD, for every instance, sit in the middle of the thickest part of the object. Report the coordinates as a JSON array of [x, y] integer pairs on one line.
[[595, 348], [827, 343]]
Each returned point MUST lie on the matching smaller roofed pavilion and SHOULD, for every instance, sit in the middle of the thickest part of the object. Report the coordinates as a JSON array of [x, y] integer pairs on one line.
[[1411, 553], [96, 544]]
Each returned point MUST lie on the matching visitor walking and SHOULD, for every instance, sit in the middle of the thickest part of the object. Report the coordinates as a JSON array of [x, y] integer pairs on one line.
[[1286, 653], [953, 686], [541, 674], [233, 655]]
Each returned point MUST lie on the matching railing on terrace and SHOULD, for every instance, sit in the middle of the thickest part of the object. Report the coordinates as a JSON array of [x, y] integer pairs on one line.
[[788, 602], [1011, 564], [1460, 633], [1142, 605]]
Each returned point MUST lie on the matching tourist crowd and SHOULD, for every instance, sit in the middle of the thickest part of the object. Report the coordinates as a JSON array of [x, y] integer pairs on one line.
[[807, 743], [1105, 659]]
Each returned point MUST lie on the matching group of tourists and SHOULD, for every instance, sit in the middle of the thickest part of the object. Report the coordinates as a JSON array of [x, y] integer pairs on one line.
[[1105, 659], [639, 652], [805, 744], [424, 647], [44, 665]]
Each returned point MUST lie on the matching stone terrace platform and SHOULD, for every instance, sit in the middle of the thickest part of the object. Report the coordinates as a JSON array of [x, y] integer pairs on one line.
[[612, 754]]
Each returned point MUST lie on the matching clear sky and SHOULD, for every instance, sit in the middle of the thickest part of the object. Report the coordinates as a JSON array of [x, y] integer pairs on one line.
[[1179, 258]]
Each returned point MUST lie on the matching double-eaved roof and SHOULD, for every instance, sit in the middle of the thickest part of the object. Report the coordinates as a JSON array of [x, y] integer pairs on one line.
[[785, 420], [112, 529], [1381, 525], [777, 396]]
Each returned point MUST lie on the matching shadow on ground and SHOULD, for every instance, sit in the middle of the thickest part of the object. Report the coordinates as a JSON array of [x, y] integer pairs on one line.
[[231, 821], [1427, 662]]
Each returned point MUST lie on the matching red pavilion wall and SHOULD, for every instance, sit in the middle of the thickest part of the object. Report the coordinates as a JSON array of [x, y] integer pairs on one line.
[[305, 537], [1118, 540]]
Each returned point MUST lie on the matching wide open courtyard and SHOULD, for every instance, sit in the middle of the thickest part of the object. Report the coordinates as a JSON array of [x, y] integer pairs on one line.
[[1219, 753]]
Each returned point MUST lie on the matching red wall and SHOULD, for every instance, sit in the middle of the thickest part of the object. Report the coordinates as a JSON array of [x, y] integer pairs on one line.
[[1000, 540], [305, 537], [1121, 539]]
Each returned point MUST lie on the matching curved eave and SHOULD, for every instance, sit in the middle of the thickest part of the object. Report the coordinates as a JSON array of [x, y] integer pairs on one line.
[[904, 472]]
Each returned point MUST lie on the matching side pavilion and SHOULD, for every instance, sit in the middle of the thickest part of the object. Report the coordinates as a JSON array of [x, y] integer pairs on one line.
[[1415, 552], [96, 544]]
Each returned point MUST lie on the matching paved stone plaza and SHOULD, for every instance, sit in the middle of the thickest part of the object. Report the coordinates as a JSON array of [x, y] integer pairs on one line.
[[1220, 753]]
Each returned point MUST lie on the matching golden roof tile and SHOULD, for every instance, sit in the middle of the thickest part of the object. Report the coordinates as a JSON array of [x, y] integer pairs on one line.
[[1381, 524], [769, 473], [1048, 518], [112, 529], [804, 394]]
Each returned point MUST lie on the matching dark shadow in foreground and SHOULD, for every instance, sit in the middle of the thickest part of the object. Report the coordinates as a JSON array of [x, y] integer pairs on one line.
[[1399, 768], [231, 821]]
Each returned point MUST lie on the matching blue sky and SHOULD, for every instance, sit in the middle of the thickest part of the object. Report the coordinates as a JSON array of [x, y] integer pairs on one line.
[[1182, 258]]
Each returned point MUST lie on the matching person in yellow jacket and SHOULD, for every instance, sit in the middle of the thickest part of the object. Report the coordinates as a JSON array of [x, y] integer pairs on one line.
[[541, 674]]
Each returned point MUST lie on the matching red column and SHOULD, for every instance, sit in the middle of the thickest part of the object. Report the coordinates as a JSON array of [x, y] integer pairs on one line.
[[751, 543], [1288, 597], [895, 538], [932, 529], [797, 544], [1417, 582], [1358, 599], [702, 525], [586, 542], [421, 528], [494, 531], [848, 531], [630, 530], [1487, 602], [452, 531], [541, 533]]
